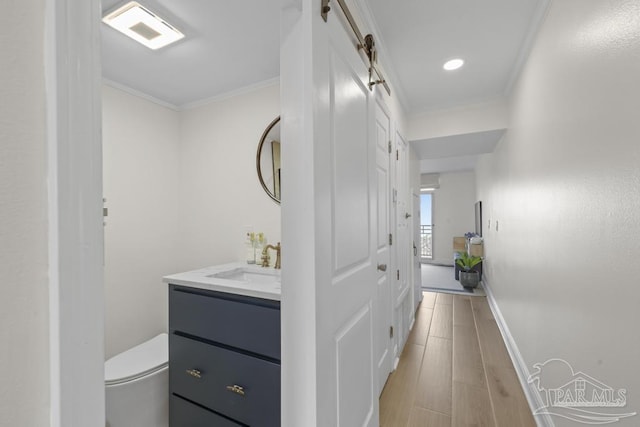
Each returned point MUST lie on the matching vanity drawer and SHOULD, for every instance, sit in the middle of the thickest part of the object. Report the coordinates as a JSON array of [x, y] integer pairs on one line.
[[205, 373], [246, 323], [185, 414]]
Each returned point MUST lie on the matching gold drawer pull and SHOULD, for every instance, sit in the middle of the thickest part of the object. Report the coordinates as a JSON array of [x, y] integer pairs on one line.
[[194, 373], [236, 389]]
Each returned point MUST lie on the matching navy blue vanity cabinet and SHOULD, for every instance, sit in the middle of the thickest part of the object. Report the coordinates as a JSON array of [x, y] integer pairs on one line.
[[224, 359]]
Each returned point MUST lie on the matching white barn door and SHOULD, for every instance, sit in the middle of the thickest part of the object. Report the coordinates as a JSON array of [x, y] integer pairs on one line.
[[346, 222], [329, 215]]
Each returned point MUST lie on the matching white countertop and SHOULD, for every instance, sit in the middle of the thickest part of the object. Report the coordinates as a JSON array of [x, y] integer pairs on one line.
[[201, 279]]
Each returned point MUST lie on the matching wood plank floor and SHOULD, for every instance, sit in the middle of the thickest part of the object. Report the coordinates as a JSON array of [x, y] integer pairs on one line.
[[454, 371]]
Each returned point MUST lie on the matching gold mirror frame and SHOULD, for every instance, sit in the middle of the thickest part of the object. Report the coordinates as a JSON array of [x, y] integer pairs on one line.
[[275, 149]]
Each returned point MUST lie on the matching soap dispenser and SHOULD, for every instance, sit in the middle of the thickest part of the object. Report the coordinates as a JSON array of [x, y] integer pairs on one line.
[[260, 241]]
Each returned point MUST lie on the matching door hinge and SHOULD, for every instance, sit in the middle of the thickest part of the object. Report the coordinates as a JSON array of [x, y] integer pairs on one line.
[[325, 9], [390, 239], [397, 155], [390, 331], [389, 147], [398, 274]]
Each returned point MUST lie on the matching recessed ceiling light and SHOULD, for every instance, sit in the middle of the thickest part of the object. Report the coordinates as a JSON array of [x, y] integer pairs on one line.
[[453, 64], [142, 25]]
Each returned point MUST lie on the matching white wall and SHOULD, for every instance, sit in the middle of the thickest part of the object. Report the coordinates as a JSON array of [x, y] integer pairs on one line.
[[141, 152], [219, 189], [563, 185], [24, 306], [180, 188], [453, 212], [456, 121]]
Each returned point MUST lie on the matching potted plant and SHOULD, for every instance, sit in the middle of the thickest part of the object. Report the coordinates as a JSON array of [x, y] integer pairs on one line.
[[469, 278]]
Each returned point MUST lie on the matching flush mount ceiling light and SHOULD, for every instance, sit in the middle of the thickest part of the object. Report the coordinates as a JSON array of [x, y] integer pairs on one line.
[[453, 64], [142, 25]]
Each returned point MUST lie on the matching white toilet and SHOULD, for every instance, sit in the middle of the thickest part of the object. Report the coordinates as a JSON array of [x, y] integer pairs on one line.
[[137, 385]]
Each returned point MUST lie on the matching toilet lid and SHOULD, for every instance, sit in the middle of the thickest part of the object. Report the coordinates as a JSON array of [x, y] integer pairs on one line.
[[138, 361]]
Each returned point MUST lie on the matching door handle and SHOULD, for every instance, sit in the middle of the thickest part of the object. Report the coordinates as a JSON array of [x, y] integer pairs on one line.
[[236, 389], [382, 267], [415, 250], [194, 373], [407, 215]]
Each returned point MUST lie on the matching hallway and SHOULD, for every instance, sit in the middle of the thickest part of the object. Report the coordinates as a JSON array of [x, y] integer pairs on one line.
[[454, 370]]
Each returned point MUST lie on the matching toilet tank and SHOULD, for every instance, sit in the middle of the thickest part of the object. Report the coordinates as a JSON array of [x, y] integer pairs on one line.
[[137, 386]]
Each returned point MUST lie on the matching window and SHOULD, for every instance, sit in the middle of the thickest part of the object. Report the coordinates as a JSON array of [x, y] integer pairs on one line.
[[426, 225]]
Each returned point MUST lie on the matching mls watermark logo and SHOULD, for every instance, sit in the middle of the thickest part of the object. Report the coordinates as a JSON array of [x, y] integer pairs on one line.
[[576, 395]]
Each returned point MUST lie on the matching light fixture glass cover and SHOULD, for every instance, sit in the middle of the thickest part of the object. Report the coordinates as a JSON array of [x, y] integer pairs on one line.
[[453, 64], [142, 25]]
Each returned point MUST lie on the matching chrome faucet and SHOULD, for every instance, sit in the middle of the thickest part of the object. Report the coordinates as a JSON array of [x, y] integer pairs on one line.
[[265, 256]]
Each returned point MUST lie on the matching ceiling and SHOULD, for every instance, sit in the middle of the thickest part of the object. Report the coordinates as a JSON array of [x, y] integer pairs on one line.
[[419, 36], [233, 45], [455, 152], [228, 45]]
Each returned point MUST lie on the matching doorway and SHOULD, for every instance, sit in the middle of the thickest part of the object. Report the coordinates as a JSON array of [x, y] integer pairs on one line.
[[426, 227]]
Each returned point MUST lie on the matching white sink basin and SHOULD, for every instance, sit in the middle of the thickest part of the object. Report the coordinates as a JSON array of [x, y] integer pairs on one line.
[[250, 275], [237, 278]]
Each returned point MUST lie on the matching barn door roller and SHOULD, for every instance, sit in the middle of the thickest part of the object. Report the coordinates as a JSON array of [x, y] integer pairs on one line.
[[365, 43]]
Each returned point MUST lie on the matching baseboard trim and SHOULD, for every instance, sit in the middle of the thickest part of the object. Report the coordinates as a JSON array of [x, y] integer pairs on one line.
[[396, 361], [413, 322], [530, 391], [441, 263]]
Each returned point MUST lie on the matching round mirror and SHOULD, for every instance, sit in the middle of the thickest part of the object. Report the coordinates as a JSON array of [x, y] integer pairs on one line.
[[268, 160]]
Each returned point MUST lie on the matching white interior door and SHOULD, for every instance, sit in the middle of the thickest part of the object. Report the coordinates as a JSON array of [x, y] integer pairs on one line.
[[403, 296], [382, 306], [417, 275], [346, 227], [329, 215]]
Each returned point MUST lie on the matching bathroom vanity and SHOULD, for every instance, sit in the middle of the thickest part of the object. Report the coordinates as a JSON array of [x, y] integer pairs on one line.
[[224, 347]]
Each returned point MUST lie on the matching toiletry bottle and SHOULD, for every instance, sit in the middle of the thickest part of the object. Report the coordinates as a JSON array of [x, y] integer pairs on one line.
[[259, 245], [250, 246]]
